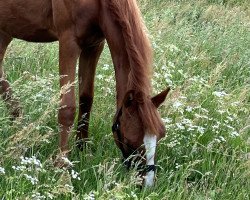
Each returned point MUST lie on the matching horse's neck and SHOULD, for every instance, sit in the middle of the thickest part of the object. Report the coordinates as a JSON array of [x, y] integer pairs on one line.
[[130, 48], [119, 56]]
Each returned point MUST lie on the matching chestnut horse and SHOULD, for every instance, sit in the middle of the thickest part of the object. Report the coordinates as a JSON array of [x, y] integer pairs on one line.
[[81, 28]]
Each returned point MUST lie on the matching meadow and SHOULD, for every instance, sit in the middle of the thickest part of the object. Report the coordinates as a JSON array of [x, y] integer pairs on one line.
[[201, 50]]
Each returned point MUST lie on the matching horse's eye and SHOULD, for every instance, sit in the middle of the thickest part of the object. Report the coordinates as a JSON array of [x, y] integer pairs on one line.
[[115, 127]]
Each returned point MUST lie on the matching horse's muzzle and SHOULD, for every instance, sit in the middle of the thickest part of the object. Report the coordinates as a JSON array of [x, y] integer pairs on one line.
[[140, 167]]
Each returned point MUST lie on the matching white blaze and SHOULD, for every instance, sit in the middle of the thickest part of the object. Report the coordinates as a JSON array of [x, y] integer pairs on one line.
[[150, 146]]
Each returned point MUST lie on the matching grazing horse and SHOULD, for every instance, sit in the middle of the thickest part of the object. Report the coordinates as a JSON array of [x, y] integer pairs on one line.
[[81, 28]]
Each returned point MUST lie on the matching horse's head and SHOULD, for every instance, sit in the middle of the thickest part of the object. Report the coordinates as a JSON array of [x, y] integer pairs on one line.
[[137, 128]]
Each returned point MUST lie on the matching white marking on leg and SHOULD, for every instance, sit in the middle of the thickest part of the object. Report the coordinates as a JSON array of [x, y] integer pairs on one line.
[[150, 146]]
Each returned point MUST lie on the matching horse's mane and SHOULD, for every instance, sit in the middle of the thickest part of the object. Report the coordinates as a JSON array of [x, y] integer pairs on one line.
[[139, 51]]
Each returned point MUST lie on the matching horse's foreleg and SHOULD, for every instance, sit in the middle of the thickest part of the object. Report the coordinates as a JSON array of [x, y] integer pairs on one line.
[[87, 67], [68, 55], [5, 89]]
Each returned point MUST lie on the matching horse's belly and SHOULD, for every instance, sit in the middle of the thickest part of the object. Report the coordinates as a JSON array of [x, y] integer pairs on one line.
[[38, 36]]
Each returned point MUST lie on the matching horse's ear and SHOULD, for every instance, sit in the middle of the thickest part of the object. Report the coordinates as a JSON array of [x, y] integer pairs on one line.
[[160, 98], [129, 98]]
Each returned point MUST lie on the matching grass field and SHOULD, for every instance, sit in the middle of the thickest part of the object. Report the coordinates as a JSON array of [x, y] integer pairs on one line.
[[202, 49]]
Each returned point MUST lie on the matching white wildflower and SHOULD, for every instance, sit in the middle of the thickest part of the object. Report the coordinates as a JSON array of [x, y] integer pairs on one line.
[[90, 196], [164, 67], [37, 196], [180, 126], [201, 129], [2, 170], [187, 122], [234, 134], [201, 116], [189, 109], [31, 161], [177, 166], [33, 180], [222, 139], [105, 67], [75, 175], [221, 111], [167, 120], [180, 71], [29, 164], [171, 64], [168, 77], [173, 48], [19, 168], [205, 110], [157, 75], [237, 103], [219, 94], [215, 126], [193, 58], [49, 195], [177, 104], [230, 127], [191, 128], [217, 140], [99, 76], [197, 115], [230, 118]]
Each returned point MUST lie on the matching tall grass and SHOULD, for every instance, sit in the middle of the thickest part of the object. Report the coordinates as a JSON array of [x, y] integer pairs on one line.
[[202, 49]]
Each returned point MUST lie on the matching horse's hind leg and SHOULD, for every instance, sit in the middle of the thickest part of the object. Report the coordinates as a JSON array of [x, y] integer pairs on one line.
[[5, 89], [87, 67]]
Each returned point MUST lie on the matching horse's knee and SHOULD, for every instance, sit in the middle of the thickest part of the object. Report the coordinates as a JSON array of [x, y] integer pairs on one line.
[[66, 116]]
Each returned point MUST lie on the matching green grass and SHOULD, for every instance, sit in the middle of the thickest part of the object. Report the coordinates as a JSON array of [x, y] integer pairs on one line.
[[202, 49]]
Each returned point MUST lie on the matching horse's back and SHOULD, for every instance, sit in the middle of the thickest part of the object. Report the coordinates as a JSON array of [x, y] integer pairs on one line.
[[28, 20]]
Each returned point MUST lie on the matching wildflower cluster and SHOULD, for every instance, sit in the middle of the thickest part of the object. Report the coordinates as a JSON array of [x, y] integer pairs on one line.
[[30, 169]]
